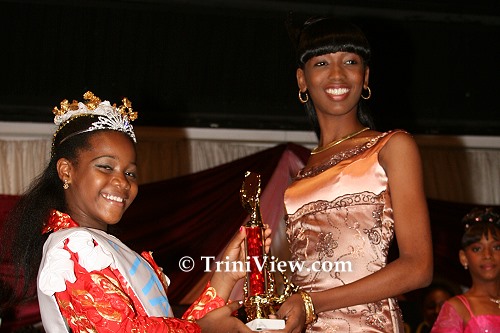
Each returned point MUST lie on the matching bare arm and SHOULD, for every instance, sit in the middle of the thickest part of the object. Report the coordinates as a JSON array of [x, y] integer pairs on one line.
[[413, 268]]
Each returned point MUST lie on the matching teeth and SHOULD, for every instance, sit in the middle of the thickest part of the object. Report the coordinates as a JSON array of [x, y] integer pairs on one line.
[[338, 91], [112, 197]]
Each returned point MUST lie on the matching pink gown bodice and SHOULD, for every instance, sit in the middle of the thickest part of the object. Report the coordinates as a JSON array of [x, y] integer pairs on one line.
[[449, 321]]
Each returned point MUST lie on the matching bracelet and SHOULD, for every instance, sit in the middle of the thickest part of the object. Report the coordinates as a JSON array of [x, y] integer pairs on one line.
[[311, 316]]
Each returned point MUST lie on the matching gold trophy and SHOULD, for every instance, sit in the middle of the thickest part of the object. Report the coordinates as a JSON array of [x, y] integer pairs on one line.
[[261, 295]]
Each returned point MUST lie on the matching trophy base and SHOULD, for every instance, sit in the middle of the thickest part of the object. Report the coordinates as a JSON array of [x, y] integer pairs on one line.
[[258, 325]]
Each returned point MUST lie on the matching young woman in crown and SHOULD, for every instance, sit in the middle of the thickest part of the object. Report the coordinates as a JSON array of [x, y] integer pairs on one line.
[[88, 280]]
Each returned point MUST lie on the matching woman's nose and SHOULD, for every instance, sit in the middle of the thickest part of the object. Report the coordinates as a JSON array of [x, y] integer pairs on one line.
[[121, 181], [487, 253], [335, 71]]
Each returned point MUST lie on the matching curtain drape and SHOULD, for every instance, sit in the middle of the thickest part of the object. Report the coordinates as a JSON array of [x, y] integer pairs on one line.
[[468, 175], [451, 173]]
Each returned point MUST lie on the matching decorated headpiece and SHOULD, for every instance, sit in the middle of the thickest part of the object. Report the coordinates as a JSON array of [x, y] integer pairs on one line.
[[481, 215], [107, 117]]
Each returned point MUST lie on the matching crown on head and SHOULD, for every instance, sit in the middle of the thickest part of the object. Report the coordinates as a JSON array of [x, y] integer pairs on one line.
[[108, 116]]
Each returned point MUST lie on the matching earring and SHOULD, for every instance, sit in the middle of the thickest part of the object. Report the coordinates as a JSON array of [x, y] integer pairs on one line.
[[369, 93], [66, 184], [303, 101], [466, 266]]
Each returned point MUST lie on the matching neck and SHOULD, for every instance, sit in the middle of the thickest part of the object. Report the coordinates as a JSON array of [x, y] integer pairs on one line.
[[487, 289]]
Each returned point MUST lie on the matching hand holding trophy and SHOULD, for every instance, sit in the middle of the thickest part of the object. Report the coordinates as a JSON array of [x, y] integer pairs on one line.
[[261, 296]]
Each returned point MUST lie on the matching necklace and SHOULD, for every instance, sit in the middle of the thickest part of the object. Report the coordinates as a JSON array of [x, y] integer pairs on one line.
[[318, 150], [497, 301]]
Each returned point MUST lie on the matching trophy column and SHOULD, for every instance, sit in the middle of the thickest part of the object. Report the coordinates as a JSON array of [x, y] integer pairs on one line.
[[259, 289]]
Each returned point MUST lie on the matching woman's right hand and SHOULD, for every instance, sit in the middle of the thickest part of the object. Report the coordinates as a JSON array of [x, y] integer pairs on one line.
[[294, 313], [221, 320]]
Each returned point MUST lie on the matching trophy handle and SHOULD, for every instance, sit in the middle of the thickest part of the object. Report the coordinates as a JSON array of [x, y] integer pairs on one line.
[[250, 197]]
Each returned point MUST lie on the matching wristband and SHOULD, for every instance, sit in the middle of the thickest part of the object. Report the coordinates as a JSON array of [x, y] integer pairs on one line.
[[311, 316]]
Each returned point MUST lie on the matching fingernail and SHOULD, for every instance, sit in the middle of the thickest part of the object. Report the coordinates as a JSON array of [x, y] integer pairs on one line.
[[241, 228]]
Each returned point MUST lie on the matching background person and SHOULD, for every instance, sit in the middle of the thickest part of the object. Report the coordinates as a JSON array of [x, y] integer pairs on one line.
[[433, 298], [478, 309]]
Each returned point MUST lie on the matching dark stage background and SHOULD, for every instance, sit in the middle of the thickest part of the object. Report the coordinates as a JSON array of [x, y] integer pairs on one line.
[[230, 63]]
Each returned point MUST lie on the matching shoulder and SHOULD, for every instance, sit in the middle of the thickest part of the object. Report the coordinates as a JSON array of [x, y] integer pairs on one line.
[[449, 318], [459, 304], [398, 146], [398, 139], [74, 238], [63, 249]]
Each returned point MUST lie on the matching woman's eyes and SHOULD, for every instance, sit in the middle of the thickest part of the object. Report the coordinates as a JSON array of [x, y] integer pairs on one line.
[[131, 174], [108, 168], [324, 62], [105, 167]]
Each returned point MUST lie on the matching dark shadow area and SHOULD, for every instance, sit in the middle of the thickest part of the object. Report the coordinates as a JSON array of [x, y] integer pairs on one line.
[[231, 64]]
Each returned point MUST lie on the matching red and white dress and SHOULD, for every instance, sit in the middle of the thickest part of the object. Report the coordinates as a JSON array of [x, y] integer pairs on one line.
[[89, 281]]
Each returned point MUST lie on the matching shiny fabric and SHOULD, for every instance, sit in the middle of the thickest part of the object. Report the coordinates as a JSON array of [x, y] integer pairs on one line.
[[340, 226], [449, 321], [92, 282]]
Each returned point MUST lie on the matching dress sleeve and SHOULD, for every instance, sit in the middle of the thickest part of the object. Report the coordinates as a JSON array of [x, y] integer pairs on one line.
[[208, 301], [100, 301], [448, 321]]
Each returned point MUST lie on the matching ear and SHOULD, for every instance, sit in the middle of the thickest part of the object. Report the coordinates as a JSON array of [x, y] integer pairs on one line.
[[367, 76], [463, 258], [301, 80], [64, 169]]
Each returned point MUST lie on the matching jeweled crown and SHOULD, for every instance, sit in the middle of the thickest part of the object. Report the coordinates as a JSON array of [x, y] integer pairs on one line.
[[108, 116]]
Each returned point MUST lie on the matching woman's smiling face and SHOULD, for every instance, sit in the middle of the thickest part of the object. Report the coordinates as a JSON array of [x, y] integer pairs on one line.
[[334, 81], [102, 182]]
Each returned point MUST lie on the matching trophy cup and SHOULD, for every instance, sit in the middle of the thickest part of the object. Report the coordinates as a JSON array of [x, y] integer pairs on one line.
[[261, 296]]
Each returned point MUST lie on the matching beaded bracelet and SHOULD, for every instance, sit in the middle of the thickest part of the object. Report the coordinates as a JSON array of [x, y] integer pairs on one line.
[[311, 316]]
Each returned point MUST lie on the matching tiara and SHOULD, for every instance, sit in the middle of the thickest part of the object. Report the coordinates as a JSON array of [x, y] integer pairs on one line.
[[481, 215], [108, 116]]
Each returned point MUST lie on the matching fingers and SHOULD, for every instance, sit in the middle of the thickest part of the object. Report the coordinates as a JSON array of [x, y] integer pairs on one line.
[[293, 312], [267, 237], [221, 320], [234, 306], [236, 244]]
